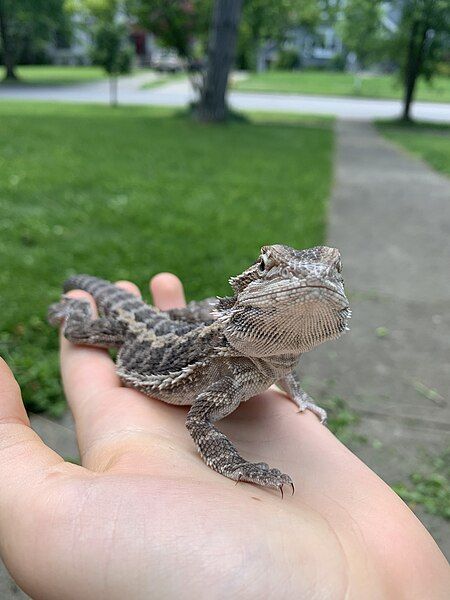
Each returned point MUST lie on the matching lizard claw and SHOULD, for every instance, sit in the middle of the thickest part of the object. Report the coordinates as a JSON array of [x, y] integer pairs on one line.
[[261, 474], [317, 410]]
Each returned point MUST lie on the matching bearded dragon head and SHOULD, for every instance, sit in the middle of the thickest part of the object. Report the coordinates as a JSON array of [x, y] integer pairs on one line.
[[287, 302]]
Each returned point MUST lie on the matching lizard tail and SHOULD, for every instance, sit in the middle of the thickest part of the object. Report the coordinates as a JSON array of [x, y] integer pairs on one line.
[[105, 293], [88, 283]]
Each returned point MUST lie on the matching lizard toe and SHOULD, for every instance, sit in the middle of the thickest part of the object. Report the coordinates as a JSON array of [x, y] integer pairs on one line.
[[317, 410], [262, 475], [59, 311]]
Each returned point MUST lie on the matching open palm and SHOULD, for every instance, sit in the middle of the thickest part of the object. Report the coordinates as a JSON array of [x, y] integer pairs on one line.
[[145, 518]]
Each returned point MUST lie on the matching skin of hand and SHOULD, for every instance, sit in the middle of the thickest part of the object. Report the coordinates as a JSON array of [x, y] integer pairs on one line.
[[145, 518]]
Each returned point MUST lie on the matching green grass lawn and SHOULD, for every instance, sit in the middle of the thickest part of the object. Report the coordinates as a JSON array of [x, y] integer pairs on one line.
[[128, 192], [428, 141], [429, 487], [341, 84], [55, 75]]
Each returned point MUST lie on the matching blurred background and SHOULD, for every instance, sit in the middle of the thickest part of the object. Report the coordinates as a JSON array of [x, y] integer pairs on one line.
[[140, 136]]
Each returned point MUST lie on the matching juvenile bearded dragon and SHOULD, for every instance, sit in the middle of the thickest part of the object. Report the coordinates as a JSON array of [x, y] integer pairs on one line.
[[217, 353]]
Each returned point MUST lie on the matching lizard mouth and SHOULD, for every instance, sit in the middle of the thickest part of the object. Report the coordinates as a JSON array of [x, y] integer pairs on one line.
[[337, 295]]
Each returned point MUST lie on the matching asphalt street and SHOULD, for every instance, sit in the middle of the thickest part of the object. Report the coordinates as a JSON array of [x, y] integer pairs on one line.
[[179, 94]]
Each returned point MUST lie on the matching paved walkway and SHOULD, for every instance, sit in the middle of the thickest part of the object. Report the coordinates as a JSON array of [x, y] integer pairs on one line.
[[390, 216], [180, 94]]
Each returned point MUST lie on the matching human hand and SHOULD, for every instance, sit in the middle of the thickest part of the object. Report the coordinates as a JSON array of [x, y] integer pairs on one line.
[[145, 518]]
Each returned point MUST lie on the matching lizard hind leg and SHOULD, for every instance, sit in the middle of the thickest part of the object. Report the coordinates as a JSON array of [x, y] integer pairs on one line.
[[80, 327], [216, 449]]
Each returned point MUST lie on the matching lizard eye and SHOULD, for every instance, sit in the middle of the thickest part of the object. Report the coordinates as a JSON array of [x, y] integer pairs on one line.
[[338, 265], [262, 264]]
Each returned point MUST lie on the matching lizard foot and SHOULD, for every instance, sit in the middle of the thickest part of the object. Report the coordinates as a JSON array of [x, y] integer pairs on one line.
[[58, 312], [320, 412], [261, 474]]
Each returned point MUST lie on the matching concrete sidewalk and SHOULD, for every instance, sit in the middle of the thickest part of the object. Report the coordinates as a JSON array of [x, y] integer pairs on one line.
[[390, 217]]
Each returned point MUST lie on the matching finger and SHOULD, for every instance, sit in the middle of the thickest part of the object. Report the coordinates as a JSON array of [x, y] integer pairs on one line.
[[89, 378], [30, 476], [12, 409], [167, 291], [84, 369], [129, 287], [109, 417], [23, 455], [88, 370]]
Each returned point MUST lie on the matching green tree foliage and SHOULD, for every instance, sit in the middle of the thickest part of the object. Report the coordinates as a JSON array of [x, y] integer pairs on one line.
[[417, 44], [105, 21], [27, 23], [362, 30], [287, 60], [92, 12], [422, 42], [113, 52], [176, 23], [264, 20]]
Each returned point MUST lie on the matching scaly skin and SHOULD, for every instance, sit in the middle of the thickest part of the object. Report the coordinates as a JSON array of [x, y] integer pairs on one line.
[[217, 353]]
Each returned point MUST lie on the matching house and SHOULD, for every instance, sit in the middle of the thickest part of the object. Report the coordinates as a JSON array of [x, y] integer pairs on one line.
[[78, 50], [320, 47], [75, 52], [317, 48]]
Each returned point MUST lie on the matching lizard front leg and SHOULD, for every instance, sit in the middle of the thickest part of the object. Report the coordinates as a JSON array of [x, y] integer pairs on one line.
[[291, 386], [218, 401], [79, 326]]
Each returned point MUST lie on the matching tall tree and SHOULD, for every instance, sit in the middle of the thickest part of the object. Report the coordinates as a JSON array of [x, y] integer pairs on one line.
[[105, 21], [113, 52], [221, 54], [26, 20], [413, 34], [422, 41]]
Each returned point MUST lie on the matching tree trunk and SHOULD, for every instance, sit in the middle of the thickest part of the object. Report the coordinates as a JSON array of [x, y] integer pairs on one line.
[[414, 60], [113, 101], [260, 64], [7, 45], [221, 53]]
